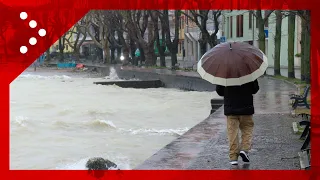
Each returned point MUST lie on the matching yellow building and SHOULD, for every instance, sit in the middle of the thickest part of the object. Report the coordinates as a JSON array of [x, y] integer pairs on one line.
[[67, 48], [182, 22]]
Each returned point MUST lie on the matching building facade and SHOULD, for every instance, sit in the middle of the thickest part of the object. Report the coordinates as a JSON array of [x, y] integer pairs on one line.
[[242, 26]]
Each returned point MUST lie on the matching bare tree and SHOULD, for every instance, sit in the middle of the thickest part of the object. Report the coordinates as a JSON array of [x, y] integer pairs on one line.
[[161, 46], [62, 41], [98, 20], [305, 42], [261, 21], [166, 34], [136, 23], [200, 18], [78, 30]]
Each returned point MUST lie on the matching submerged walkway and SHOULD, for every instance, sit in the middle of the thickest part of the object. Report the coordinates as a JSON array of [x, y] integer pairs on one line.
[[205, 146]]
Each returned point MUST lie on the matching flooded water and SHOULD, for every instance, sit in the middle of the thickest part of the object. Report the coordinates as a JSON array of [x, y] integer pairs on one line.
[[58, 121]]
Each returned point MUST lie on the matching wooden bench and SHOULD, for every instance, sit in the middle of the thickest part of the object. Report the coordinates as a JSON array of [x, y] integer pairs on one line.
[[306, 134], [300, 100], [304, 154]]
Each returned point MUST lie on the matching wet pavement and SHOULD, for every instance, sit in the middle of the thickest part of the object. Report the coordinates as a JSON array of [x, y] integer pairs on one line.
[[205, 146], [275, 147]]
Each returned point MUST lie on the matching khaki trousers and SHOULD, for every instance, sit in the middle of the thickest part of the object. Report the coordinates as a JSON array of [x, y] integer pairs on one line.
[[245, 124]]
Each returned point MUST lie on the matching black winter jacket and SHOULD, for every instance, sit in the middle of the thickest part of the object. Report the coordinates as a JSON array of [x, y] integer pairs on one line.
[[238, 100]]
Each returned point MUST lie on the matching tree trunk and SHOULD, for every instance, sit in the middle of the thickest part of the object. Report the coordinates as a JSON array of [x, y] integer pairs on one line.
[[291, 37], [162, 49], [119, 52], [61, 49], [76, 54], [159, 44], [120, 42], [149, 52], [48, 57], [261, 35], [307, 47], [174, 59], [125, 49], [106, 50], [302, 44], [307, 57], [203, 46], [142, 55], [277, 40], [175, 43], [132, 51], [113, 55]]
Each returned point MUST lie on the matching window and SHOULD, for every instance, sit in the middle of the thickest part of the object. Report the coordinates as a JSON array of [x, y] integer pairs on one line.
[[250, 20], [240, 26], [231, 28]]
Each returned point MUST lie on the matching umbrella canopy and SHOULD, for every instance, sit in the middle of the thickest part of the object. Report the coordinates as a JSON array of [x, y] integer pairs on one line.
[[232, 64]]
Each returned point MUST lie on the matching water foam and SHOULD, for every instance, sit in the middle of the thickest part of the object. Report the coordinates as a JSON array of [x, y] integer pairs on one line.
[[21, 120], [177, 132], [113, 74], [33, 76]]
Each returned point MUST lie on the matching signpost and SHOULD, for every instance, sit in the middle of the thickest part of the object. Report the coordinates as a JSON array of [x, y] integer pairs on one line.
[[222, 39]]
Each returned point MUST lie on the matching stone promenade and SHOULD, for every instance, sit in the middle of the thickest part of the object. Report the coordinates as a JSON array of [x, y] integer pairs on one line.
[[205, 146]]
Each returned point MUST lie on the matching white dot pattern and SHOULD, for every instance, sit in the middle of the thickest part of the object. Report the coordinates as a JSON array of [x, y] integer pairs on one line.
[[23, 15], [42, 32], [23, 49], [33, 24], [32, 41]]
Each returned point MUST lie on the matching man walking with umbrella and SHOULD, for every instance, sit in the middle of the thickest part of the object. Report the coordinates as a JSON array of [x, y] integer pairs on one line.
[[238, 107], [235, 68]]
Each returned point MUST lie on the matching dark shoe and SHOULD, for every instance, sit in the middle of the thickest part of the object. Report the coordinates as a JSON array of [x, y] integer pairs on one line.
[[244, 156]]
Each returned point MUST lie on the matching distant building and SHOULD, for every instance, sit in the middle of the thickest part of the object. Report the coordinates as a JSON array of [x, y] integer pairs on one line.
[[241, 26], [67, 48]]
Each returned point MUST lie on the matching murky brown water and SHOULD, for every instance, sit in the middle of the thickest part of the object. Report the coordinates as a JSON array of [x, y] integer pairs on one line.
[[58, 121]]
